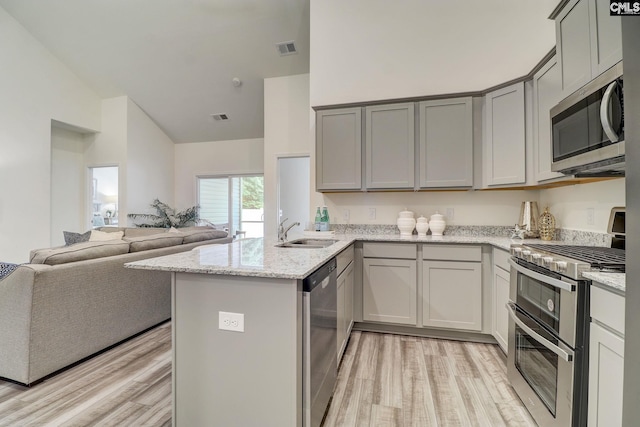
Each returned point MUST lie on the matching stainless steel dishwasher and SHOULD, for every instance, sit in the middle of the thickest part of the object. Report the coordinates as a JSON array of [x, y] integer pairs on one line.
[[319, 339]]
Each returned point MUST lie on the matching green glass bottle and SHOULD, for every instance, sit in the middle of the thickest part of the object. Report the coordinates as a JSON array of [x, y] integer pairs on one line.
[[318, 219]]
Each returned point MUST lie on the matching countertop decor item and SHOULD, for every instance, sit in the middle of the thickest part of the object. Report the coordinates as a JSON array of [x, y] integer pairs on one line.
[[406, 223], [422, 226], [547, 225], [528, 220], [437, 224]]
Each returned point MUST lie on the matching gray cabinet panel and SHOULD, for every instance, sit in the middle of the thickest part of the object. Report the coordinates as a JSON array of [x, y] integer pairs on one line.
[[573, 45], [446, 143], [546, 94], [500, 299], [504, 141], [339, 149], [389, 291], [606, 37], [390, 146]]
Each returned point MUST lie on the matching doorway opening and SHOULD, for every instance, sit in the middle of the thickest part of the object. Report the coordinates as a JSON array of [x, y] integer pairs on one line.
[[293, 190], [103, 190]]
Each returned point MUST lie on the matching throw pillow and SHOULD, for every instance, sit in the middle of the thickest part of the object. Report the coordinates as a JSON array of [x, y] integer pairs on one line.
[[101, 236], [71, 238]]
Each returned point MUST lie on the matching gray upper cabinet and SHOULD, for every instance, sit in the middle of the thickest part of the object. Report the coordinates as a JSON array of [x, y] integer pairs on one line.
[[390, 146], [339, 149], [446, 143], [588, 42], [504, 136], [546, 94]]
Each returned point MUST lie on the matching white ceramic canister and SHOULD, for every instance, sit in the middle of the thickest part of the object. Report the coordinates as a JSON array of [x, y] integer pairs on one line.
[[422, 226], [437, 224], [406, 223]]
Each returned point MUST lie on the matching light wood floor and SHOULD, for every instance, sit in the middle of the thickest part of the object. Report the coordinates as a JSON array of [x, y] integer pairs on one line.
[[384, 380]]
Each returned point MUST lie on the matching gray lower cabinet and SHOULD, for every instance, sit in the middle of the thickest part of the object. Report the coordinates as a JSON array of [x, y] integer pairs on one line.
[[452, 287], [339, 149], [345, 307], [588, 42], [606, 358], [390, 146], [446, 143], [389, 283], [501, 282], [504, 136], [546, 94]]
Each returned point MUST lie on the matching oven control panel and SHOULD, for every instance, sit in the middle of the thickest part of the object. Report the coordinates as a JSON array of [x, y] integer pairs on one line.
[[550, 261]]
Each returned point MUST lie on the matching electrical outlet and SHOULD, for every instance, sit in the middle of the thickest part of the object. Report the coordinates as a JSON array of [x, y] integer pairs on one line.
[[231, 321], [590, 216], [372, 213], [345, 216], [449, 214]]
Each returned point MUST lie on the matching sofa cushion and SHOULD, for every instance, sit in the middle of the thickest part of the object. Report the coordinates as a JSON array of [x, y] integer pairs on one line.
[[80, 252], [143, 231], [200, 235], [102, 236], [71, 238], [154, 241]]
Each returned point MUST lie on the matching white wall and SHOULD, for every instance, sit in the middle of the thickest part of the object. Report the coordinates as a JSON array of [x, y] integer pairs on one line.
[[363, 50], [288, 130], [213, 158], [67, 183], [150, 163], [569, 204], [293, 190], [35, 88]]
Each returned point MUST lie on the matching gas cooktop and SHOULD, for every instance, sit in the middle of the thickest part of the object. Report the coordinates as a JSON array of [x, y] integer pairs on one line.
[[569, 260]]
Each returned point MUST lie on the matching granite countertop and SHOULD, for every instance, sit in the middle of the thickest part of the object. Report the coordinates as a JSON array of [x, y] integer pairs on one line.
[[613, 281], [258, 257]]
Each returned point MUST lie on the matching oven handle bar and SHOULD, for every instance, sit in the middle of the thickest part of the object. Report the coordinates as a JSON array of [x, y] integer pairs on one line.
[[566, 355], [541, 277]]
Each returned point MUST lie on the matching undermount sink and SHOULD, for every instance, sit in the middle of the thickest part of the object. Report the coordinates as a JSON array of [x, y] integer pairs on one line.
[[307, 243]]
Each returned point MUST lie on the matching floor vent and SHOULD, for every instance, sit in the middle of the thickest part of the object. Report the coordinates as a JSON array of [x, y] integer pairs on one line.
[[220, 116], [287, 48]]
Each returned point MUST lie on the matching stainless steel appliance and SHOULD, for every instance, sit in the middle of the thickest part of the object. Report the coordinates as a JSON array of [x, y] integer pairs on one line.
[[588, 128], [547, 361], [319, 337]]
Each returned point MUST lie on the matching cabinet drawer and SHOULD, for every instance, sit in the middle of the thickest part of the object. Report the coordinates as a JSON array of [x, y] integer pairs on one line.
[[607, 308], [501, 259], [452, 252], [389, 250], [344, 258]]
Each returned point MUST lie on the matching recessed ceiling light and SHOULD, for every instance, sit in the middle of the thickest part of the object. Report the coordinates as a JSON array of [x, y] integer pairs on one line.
[[220, 116], [287, 48]]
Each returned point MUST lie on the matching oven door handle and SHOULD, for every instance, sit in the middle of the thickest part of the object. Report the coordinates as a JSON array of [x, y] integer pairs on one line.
[[541, 277], [566, 355]]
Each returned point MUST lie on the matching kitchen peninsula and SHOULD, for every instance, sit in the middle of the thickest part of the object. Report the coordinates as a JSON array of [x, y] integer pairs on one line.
[[254, 377]]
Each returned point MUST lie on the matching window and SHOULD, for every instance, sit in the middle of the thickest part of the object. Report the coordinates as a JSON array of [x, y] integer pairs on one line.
[[235, 202]]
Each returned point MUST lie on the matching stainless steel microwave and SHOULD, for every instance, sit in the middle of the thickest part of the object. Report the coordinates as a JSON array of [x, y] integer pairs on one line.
[[588, 128]]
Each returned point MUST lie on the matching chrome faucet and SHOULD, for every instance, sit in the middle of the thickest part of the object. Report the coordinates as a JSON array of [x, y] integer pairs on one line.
[[282, 232]]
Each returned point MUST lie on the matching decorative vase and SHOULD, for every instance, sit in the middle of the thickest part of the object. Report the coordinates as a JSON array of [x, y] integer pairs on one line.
[[437, 224], [406, 223], [547, 225], [422, 226]]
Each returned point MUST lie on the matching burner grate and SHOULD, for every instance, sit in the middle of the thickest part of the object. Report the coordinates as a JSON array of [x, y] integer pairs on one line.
[[597, 256]]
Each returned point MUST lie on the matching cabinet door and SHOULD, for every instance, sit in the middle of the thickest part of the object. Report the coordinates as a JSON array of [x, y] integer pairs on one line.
[[500, 313], [504, 159], [390, 146], [339, 149], [452, 295], [345, 308], [573, 45], [446, 143], [606, 37], [389, 291], [606, 374], [546, 94]]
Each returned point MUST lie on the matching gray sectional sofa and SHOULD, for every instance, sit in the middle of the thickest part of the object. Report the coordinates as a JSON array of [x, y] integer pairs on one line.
[[71, 302]]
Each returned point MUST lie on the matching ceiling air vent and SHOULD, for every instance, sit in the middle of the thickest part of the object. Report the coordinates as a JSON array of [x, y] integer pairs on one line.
[[220, 116], [287, 48]]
